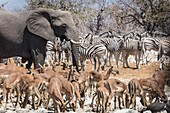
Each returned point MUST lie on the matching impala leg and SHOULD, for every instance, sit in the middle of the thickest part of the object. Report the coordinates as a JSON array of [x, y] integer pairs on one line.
[[6, 101], [114, 102], [119, 102], [94, 95], [11, 98]]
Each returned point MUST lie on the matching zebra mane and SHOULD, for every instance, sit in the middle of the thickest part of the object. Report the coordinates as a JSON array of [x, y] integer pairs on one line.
[[131, 33]]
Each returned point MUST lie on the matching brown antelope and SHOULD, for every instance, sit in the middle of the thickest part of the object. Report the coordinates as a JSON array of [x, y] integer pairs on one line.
[[115, 88], [135, 89], [120, 90], [32, 88], [152, 87], [57, 86], [102, 98], [9, 84], [97, 77], [77, 91]]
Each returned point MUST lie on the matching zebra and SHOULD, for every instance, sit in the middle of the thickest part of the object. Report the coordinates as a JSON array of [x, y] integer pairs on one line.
[[108, 34], [112, 42], [164, 50], [66, 51], [149, 43], [92, 52], [53, 51], [113, 46], [132, 45]]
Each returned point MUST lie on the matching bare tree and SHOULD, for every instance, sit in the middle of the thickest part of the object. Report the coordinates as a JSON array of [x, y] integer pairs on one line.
[[150, 15], [122, 16]]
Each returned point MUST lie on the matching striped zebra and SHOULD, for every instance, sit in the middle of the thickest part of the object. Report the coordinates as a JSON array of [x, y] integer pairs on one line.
[[112, 43], [132, 45], [92, 52], [66, 51], [114, 47], [164, 50], [150, 43], [96, 39], [53, 51], [108, 34]]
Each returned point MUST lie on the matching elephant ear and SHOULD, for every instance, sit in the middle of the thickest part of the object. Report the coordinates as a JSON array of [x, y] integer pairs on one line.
[[38, 23]]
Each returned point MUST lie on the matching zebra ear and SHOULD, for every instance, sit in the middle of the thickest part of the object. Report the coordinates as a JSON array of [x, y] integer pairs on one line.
[[87, 35], [125, 38]]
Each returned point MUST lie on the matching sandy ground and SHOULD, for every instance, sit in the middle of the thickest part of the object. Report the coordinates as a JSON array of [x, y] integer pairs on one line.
[[125, 75]]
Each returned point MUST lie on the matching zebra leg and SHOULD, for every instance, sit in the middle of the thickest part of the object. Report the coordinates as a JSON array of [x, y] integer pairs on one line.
[[127, 60], [104, 61], [124, 59], [139, 56], [161, 66], [58, 59], [101, 63], [136, 59], [109, 56], [63, 56], [117, 55], [93, 61]]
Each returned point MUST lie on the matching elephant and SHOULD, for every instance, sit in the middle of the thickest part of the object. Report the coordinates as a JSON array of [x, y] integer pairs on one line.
[[26, 33]]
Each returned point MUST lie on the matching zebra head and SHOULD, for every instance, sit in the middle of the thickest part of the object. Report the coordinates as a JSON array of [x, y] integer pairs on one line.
[[57, 43], [140, 41]]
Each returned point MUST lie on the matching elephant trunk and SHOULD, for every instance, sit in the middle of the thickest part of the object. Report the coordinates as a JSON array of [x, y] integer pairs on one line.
[[71, 34], [75, 55]]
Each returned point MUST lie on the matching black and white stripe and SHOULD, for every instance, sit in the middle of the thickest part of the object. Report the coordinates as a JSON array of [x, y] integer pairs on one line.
[[53, 51], [164, 50], [132, 45], [114, 46], [151, 43], [112, 42], [66, 51], [91, 52]]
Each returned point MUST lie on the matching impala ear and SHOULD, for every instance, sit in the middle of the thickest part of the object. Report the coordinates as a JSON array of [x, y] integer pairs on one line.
[[38, 23]]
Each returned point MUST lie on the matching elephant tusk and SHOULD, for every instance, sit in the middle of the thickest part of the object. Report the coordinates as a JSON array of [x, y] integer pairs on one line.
[[40, 65], [83, 46], [75, 42], [79, 43]]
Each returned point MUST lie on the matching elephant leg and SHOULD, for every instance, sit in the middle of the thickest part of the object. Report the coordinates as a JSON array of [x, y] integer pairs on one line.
[[38, 57]]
